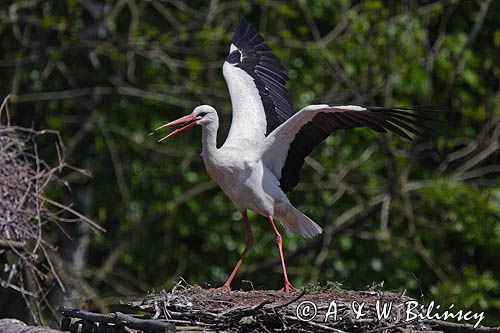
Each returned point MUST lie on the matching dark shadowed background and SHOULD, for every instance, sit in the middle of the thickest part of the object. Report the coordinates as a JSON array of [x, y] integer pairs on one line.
[[418, 217]]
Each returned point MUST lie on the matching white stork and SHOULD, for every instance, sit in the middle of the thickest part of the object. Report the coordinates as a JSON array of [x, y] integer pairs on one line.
[[265, 149]]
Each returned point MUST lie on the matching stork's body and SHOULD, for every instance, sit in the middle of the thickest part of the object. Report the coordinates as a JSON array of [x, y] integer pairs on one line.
[[243, 174], [267, 143], [245, 180]]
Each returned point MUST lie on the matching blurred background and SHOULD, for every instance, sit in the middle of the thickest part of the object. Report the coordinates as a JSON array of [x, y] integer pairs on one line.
[[418, 217]]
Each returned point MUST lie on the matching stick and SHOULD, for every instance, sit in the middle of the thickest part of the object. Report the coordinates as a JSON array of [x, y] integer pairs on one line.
[[120, 318], [7, 243]]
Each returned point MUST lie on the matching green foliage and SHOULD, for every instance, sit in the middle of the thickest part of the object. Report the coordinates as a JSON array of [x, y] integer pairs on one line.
[[471, 290], [318, 287], [376, 286]]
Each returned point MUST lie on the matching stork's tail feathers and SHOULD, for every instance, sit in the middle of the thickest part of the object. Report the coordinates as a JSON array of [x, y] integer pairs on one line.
[[297, 222]]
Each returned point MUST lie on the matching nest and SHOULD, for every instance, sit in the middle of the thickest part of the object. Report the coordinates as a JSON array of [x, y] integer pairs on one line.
[[25, 213], [23, 177], [319, 310], [193, 308]]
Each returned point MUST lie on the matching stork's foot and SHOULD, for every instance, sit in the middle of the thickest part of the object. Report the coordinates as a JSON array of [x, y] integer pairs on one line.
[[288, 288], [224, 288]]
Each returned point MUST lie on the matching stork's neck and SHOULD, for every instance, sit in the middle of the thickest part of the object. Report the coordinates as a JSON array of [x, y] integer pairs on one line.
[[209, 138]]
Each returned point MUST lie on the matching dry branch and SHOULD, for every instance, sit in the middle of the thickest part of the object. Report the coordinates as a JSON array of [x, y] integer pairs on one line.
[[119, 319]]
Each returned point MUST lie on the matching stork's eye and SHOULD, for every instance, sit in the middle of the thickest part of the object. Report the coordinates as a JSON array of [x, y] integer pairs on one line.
[[202, 114]]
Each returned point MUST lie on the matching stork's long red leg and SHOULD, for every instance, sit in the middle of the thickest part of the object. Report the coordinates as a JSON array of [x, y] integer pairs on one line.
[[288, 286], [227, 285]]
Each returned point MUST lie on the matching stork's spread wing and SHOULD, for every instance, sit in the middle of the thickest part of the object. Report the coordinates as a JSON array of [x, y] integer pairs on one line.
[[291, 142], [256, 82]]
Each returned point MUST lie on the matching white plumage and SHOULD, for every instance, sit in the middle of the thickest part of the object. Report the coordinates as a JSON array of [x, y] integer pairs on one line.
[[241, 171], [266, 145]]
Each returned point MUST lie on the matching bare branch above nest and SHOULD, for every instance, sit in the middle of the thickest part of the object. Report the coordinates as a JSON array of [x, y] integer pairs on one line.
[[5, 105]]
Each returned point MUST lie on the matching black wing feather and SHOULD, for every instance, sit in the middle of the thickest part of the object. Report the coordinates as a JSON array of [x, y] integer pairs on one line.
[[381, 119], [256, 58]]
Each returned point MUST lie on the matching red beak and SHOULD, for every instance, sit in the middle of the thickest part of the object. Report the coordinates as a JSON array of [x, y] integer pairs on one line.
[[189, 118]]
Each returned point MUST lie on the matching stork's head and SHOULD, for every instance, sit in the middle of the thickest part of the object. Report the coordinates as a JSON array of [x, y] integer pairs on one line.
[[201, 115], [204, 115]]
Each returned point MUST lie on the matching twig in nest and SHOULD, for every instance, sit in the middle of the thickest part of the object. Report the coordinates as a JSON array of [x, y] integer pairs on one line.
[[302, 293]]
